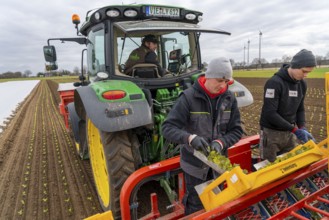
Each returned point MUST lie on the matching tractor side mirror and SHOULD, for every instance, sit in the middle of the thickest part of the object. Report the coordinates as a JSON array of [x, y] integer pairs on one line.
[[50, 54]]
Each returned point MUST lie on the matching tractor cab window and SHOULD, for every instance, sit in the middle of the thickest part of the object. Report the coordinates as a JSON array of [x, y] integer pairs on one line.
[[96, 57], [174, 50], [177, 51]]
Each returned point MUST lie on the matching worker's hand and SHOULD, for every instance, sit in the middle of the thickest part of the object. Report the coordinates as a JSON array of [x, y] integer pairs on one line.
[[309, 135], [303, 135], [199, 143], [217, 145]]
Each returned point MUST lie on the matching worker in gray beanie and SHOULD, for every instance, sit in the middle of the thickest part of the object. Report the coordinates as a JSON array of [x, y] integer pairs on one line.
[[205, 117], [282, 119], [219, 68]]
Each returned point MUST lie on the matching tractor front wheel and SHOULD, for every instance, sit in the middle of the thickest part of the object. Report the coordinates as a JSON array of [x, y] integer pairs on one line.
[[112, 163]]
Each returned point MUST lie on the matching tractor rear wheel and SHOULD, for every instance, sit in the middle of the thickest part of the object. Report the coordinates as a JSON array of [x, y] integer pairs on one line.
[[112, 163]]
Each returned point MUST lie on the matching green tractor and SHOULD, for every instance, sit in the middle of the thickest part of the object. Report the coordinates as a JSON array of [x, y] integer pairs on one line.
[[115, 118]]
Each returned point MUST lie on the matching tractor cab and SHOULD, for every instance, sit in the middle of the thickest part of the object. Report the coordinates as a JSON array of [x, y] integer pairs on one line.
[[113, 32]]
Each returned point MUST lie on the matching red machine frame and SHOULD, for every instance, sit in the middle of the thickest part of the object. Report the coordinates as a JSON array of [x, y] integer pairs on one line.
[[67, 96]]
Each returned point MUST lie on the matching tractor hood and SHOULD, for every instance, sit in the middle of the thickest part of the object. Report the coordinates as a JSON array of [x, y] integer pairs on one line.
[[163, 26]]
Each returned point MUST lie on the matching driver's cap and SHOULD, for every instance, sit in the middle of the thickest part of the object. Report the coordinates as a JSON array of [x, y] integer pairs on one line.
[[150, 38]]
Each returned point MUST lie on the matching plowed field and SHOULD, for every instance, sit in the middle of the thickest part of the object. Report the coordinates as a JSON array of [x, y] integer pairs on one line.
[[315, 106], [40, 175], [42, 178]]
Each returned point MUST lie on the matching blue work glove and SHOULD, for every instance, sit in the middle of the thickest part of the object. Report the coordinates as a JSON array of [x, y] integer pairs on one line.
[[217, 145], [309, 135], [200, 144], [303, 135]]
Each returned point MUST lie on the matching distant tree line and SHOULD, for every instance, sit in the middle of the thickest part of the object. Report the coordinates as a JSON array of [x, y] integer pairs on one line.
[[28, 73], [276, 63], [18, 74]]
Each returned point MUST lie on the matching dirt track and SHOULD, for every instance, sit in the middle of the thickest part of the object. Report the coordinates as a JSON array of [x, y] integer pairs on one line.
[[42, 178]]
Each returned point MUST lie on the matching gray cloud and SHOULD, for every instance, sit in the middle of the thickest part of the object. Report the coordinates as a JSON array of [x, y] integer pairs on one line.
[[287, 27]]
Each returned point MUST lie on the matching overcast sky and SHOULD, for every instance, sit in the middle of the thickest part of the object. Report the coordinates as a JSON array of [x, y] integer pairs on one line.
[[287, 27]]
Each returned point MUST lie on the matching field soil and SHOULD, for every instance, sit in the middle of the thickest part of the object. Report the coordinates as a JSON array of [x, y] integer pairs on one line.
[[41, 176]]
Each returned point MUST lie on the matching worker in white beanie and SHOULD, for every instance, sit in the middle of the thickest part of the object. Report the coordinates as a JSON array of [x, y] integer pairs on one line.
[[205, 117]]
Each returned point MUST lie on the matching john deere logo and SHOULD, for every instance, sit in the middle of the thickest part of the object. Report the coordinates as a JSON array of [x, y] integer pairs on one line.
[[289, 167]]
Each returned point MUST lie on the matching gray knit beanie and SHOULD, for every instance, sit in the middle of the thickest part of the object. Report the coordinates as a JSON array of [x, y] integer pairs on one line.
[[219, 68], [303, 58]]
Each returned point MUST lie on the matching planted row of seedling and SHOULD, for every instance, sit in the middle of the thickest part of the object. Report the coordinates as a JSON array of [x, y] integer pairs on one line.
[[76, 163]]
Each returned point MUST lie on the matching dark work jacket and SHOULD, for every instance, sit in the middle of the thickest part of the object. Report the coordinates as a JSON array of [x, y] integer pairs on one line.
[[283, 105], [193, 114], [142, 55]]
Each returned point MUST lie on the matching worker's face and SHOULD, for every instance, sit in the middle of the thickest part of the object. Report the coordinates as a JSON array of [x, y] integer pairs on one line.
[[299, 74], [152, 46], [215, 85]]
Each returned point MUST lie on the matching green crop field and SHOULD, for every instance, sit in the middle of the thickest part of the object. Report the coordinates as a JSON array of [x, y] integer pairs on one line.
[[266, 73]]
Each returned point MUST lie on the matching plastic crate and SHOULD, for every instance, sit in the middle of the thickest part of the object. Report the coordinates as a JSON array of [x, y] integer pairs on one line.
[[254, 212], [277, 202], [320, 179], [302, 189], [280, 201]]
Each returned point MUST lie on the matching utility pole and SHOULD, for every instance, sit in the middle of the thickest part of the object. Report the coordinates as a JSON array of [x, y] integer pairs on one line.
[[248, 53], [244, 57], [260, 47]]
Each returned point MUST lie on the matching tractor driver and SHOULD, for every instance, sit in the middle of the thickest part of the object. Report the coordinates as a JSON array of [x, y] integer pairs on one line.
[[282, 119], [144, 54], [205, 113]]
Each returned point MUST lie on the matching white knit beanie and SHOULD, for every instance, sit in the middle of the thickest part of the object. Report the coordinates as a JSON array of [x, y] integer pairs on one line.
[[219, 68]]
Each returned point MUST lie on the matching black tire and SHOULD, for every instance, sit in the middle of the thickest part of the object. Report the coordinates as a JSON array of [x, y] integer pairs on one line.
[[112, 163]]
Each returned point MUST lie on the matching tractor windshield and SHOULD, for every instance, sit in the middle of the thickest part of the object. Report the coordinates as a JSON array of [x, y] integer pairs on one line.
[[178, 46], [174, 51], [178, 49]]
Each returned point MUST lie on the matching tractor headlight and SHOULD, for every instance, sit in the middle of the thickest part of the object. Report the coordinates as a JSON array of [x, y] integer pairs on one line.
[[98, 16], [113, 13], [190, 16], [130, 13]]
